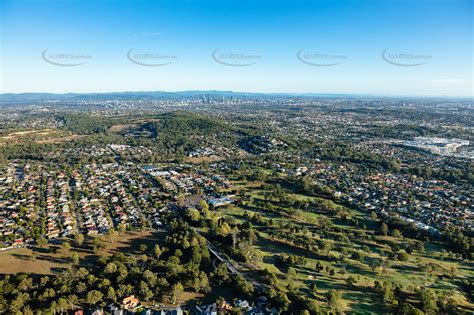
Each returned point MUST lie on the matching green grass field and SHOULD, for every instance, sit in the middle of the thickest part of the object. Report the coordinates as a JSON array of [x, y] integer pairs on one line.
[[358, 298]]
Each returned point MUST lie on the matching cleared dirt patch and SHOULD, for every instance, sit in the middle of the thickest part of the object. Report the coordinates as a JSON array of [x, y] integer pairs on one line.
[[60, 139], [120, 128], [28, 132], [21, 134], [39, 136]]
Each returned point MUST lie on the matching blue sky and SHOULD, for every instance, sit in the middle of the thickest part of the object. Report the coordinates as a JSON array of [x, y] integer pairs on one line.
[[383, 47]]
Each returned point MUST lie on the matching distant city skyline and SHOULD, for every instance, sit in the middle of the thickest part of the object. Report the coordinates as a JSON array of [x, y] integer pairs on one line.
[[414, 48]]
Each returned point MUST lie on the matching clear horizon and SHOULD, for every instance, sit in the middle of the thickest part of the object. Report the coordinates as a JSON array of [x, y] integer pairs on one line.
[[397, 48]]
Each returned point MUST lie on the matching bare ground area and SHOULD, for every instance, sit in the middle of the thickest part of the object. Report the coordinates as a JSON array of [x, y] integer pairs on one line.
[[60, 139], [119, 128]]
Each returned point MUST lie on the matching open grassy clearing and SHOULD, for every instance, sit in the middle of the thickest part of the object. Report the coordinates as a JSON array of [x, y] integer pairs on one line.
[[51, 259], [40, 136], [60, 139]]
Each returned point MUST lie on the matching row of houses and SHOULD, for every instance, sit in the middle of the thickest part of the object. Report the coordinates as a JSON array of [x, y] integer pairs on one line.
[[131, 305], [39, 200], [430, 204], [183, 179]]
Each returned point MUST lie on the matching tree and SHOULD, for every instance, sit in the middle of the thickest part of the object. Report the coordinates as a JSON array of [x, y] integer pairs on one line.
[[157, 251], [177, 291], [143, 248], [428, 299], [79, 239], [72, 300], [243, 285], [62, 305], [396, 233], [201, 283], [419, 246], [203, 206], [110, 268], [221, 274], [334, 299], [53, 307], [351, 281], [65, 247], [314, 289], [111, 234], [360, 256], [74, 258], [97, 243], [282, 301], [150, 277], [27, 310], [193, 215], [402, 256], [25, 284], [111, 294], [453, 271], [408, 309], [82, 273], [291, 275], [388, 295], [42, 242], [18, 302], [373, 215], [384, 229], [122, 228], [94, 297], [145, 291]]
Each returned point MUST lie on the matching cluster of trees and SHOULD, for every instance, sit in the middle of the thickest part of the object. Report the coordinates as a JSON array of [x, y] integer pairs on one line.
[[460, 241], [342, 152], [86, 124], [170, 136], [455, 173], [255, 144], [292, 260], [430, 302], [237, 240], [453, 237], [158, 273], [176, 133]]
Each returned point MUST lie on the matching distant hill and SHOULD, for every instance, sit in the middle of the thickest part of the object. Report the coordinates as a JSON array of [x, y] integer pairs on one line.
[[12, 98], [183, 123], [155, 95], [15, 97]]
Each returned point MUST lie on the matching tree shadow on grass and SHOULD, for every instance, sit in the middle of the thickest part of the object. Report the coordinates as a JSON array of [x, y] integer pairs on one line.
[[22, 257], [58, 270], [56, 260]]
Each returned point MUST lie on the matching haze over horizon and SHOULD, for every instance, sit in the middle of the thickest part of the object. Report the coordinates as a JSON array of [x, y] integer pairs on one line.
[[247, 93], [399, 48]]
